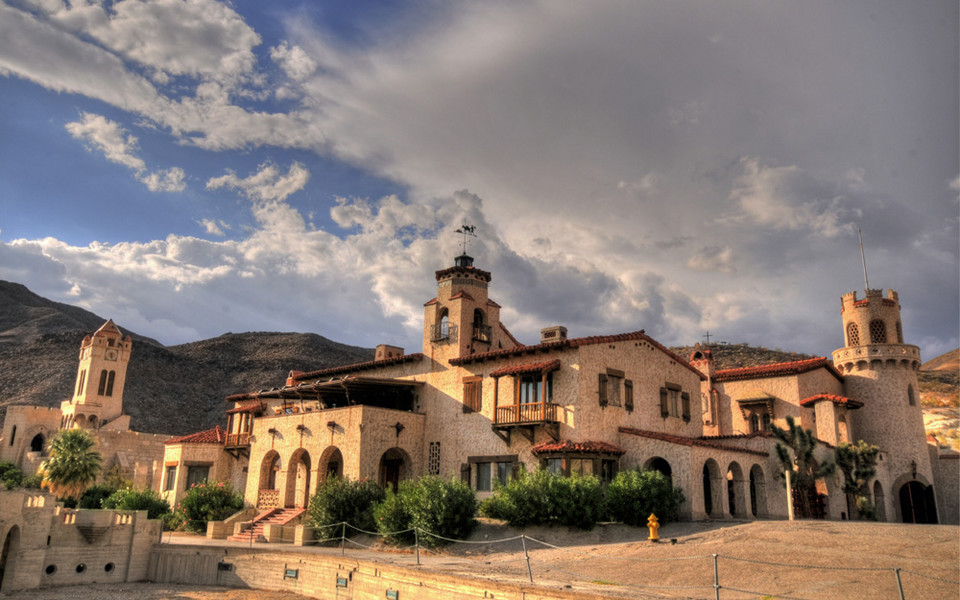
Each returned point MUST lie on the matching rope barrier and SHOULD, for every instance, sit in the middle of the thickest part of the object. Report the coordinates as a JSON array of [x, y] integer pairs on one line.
[[762, 594], [796, 566], [930, 577]]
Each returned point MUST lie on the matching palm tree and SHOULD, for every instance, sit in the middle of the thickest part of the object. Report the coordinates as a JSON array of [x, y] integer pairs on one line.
[[73, 464], [806, 469]]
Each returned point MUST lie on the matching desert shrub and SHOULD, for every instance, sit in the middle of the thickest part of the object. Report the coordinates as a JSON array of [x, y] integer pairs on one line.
[[130, 499], [10, 475], [339, 500], [32, 482], [208, 501], [634, 495], [172, 521], [94, 496], [432, 504], [543, 497]]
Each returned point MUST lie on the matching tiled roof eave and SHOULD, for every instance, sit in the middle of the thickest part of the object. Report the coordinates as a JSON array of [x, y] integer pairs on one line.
[[685, 441], [783, 369]]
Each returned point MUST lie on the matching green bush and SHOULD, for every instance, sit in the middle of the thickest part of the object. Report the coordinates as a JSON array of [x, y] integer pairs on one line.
[[32, 482], [208, 501], [543, 497], [10, 475], [634, 495], [172, 521], [94, 496], [129, 499], [432, 504], [339, 500]]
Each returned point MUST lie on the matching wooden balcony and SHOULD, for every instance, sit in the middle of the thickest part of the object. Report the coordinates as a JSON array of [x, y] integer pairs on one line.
[[237, 444], [526, 418]]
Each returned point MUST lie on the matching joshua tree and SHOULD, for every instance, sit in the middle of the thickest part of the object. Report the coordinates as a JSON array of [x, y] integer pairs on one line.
[[73, 464], [806, 469], [858, 463]]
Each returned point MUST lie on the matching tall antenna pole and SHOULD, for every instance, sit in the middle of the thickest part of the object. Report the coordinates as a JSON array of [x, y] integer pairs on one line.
[[863, 259]]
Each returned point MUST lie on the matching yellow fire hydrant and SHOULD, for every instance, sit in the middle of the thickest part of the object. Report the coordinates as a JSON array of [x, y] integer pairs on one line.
[[654, 526]]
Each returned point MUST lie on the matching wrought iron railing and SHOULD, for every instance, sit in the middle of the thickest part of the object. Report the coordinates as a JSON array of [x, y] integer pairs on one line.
[[443, 332], [536, 412], [268, 499], [482, 333]]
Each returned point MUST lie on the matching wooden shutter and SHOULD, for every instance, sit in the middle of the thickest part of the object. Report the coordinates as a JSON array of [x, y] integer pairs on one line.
[[664, 403], [628, 395], [685, 399], [472, 395], [603, 389]]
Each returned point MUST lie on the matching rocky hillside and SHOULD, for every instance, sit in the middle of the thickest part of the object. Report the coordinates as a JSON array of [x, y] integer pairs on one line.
[[170, 389], [734, 356]]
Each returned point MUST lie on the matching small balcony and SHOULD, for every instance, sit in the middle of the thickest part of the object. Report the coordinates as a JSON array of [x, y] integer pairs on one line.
[[443, 333], [526, 418], [482, 333], [237, 440]]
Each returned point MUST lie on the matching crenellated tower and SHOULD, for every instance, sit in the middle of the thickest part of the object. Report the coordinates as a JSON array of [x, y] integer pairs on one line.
[[98, 393], [880, 371]]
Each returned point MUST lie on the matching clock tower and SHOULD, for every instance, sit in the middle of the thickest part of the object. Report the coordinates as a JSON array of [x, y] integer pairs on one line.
[[98, 394]]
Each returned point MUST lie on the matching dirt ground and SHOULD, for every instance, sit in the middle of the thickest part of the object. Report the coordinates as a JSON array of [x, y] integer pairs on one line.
[[618, 561]]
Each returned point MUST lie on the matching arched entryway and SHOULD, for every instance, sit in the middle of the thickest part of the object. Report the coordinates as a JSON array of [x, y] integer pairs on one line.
[[268, 495], [36, 444], [735, 493], [712, 499], [8, 558], [331, 463], [879, 501], [916, 503], [660, 464], [758, 492], [394, 467], [298, 480]]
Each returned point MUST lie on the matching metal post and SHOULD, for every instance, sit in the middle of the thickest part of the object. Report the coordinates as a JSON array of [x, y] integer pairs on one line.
[[899, 583], [789, 494], [416, 537], [523, 540], [343, 536], [716, 578]]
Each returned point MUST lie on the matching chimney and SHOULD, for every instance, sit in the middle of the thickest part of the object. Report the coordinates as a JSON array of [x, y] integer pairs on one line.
[[556, 333], [385, 352]]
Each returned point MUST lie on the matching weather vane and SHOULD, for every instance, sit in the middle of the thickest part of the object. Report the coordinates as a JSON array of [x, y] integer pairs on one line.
[[466, 230]]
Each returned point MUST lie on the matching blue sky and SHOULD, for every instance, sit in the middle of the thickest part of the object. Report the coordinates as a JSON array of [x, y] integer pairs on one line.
[[189, 168]]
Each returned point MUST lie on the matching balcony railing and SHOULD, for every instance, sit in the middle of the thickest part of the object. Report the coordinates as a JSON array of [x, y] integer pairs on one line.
[[443, 332], [481, 333], [537, 412], [268, 499], [237, 440]]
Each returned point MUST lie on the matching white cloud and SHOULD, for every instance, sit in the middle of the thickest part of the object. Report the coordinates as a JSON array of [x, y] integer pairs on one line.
[[294, 61], [213, 227], [267, 184], [712, 258], [165, 180]]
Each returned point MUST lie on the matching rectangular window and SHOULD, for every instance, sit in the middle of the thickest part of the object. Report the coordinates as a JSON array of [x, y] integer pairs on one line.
[[685, 405], [472, 394], [504, 471], [614, 379], [197, 474], [554, 465], [608, 470], [433, 459], [580, 466], [602, 392], [670, 401], [530, 388], [628, 395], [483, 476], [170, 483]]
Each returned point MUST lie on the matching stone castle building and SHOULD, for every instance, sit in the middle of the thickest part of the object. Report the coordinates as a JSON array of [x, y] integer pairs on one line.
[[476, 403]]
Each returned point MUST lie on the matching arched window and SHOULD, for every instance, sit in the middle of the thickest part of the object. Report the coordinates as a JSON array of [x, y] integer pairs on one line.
[[853, 335], [110, 379], [878, 332], [103, 383], [899, 333], [36, 444], [481, 332], [911, 395]]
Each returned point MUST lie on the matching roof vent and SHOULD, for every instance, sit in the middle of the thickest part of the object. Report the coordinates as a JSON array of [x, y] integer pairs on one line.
[[555, 333]]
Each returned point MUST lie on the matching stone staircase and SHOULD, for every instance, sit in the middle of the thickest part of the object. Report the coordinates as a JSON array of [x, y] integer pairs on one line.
[[273, 516]]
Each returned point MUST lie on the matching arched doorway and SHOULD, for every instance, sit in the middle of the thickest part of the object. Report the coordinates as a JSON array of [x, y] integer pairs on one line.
[[394, 466], [735, 495], [331, 463], [712, 500], [8, 558], [268, 495], [659, 464], [917, 504], [36, 444], [879, 501], [298, 480], [758, 492]]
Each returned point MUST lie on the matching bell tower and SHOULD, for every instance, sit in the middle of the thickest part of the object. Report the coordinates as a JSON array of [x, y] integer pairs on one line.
[[880, 371], [98, 393]]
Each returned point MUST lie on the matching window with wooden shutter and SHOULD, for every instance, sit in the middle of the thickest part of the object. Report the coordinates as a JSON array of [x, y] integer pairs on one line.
[[664, 403], [685, 400], [603, 389], [472, 394], [628, 395]]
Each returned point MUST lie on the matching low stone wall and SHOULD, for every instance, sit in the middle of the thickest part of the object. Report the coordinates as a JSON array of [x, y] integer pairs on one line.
[[327, 577]]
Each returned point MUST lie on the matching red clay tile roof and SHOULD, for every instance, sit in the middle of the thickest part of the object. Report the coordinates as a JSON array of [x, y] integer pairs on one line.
[[250, 408], [574, 343], [538, 367], [839, 400], [210, 436], [364, 366], [430, 303], [579, 447], [492, 303], [685, 441], [795, 367], [461, 294]]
